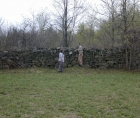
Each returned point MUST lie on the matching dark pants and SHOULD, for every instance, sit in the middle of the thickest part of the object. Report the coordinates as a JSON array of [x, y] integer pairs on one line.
[[61, 65]]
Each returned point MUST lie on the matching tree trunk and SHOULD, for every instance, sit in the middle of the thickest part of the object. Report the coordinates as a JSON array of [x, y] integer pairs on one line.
[[130, 58], [65, 25], [126, 58]]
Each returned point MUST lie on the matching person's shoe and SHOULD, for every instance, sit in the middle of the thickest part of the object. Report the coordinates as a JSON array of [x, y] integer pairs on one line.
[[80, 65], [60, 71]]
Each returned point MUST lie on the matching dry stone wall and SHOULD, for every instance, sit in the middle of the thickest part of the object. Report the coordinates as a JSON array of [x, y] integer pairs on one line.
[[48, 58]]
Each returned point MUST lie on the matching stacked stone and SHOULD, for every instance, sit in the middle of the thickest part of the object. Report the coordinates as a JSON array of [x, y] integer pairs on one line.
[[93, 58]]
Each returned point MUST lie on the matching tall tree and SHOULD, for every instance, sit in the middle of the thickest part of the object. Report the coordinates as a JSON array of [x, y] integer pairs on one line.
[[111, 7], [86, 30], [1, 31], [43, 23], [69, 12], [128, 14]]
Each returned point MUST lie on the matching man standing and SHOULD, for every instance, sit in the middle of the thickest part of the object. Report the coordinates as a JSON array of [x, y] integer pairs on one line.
[[80, 56], [61, 61]]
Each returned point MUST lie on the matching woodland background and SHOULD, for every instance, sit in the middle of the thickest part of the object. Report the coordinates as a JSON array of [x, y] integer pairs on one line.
[[116, 26]]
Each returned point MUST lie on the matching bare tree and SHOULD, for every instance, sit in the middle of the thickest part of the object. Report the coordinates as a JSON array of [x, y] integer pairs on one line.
[[69, 12], [43, 20], [128, 14], [32, 29], [111, 8], [1, 22], [86, 30], [24, 37], [43, 23], [1, 32]]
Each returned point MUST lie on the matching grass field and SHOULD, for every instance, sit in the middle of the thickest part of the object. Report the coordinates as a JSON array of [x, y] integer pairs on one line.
[[75, 93]]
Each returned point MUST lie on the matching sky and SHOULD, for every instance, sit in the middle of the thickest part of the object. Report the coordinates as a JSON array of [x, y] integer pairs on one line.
[[13, 11]]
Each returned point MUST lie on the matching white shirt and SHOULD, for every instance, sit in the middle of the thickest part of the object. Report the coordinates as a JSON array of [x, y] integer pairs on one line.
[[61, 57], [80, 49]]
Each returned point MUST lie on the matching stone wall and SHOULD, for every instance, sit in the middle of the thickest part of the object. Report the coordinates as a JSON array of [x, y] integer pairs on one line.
[[93, 58]]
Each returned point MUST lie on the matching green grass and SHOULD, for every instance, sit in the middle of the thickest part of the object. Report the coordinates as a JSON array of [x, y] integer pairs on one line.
[[76, 93]]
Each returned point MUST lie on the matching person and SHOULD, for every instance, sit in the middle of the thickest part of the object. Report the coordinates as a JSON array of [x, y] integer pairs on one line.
[[80, 55], [61, 61]]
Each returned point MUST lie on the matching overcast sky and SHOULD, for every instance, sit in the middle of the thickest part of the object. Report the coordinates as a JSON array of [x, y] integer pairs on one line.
[[13, 11]]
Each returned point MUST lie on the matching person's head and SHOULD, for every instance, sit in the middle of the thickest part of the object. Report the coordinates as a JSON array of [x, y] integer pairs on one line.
[[61, 50], [79, 44]]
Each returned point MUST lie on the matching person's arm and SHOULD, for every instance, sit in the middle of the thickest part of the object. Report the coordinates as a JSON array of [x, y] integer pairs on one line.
[[62, 57]]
